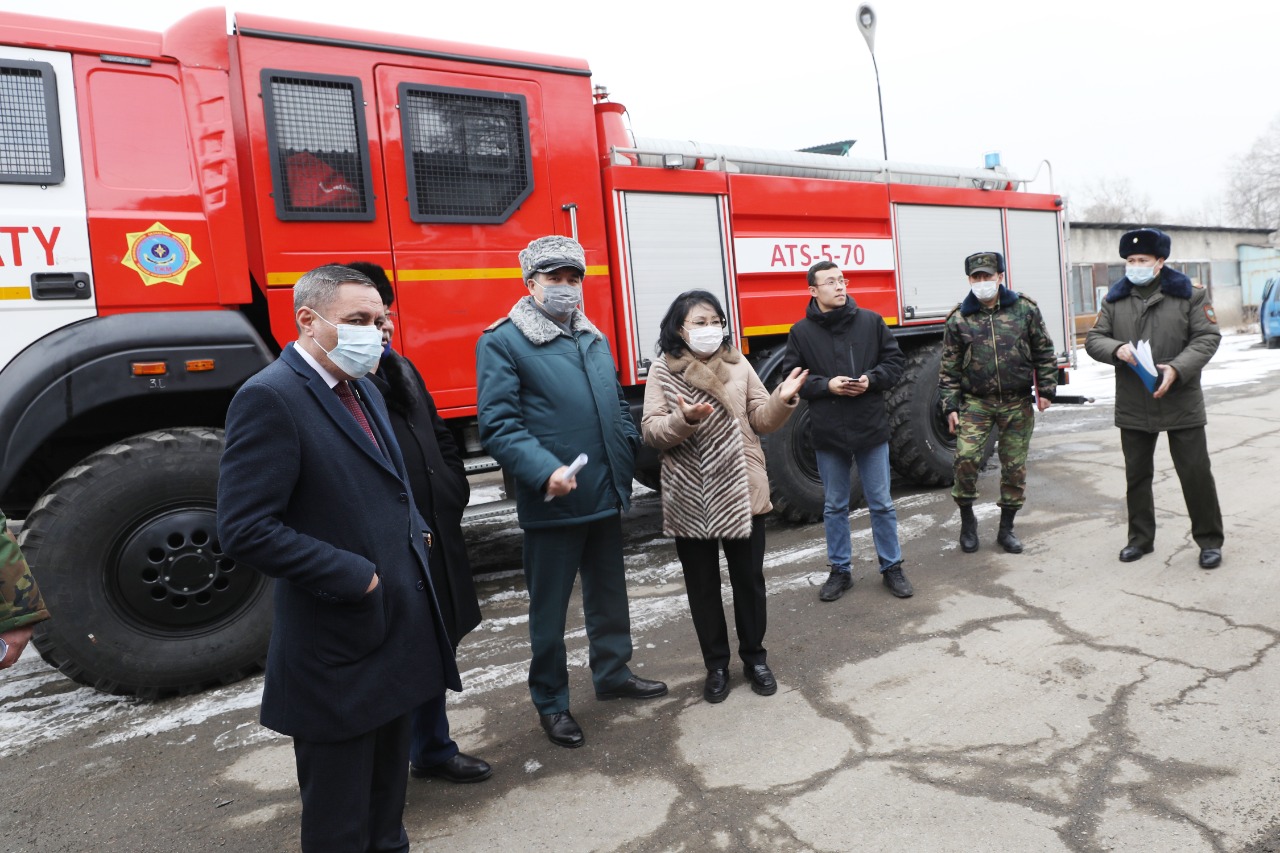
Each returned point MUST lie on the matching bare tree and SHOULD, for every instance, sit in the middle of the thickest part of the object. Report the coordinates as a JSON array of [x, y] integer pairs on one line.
[[1253, 195], [1116, 200]]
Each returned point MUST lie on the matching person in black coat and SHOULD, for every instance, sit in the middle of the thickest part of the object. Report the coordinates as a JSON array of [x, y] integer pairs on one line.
[[441, 492], [852, 359], [313, 491]]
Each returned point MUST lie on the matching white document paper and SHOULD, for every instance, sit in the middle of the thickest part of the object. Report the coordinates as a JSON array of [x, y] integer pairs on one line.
[[574, 467]]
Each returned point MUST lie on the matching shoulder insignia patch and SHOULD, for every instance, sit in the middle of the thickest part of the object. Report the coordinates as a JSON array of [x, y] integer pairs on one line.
[[496, 323], [1209, 315]]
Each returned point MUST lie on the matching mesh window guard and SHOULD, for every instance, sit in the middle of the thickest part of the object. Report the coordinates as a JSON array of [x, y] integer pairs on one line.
[[466, 154], [315, 128], [30, 138]]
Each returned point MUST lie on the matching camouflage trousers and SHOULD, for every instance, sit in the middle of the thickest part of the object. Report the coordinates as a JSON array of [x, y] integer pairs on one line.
[[1014, 422]]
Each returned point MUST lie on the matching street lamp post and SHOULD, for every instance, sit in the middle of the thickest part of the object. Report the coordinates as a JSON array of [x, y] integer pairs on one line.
[[867, 23]]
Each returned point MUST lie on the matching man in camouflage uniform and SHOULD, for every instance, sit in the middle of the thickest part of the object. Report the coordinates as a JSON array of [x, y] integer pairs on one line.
[[21, 606], [995, 352]]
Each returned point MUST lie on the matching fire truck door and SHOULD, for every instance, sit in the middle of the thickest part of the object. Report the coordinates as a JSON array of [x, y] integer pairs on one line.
[[466, 170], [672, 243], [44, 238]]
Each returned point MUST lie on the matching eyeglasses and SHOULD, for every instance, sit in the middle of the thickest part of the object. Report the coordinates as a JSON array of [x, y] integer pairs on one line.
[[833, 282], [702, 324], [389, 317]]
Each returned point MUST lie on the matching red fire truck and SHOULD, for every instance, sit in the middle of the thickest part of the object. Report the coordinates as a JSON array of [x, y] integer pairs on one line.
[[160, 193]]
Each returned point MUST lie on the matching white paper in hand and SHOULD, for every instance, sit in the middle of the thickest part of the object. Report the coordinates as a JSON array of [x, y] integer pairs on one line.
[[1146, 366], [572, 471]]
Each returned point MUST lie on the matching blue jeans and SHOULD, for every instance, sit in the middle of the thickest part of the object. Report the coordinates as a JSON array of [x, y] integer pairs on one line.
[[834, 468]]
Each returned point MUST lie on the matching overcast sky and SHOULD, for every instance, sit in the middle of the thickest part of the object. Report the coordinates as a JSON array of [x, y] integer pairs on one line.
[[1165, 93]]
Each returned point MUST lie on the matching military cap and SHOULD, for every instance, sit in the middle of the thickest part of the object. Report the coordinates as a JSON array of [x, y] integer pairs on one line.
[[551, 253], [1145, 241], [992, 262]]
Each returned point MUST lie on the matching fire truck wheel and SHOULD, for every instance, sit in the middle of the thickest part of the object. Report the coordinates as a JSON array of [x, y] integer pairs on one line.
[[126, 551], [794, 485], [921, 447]]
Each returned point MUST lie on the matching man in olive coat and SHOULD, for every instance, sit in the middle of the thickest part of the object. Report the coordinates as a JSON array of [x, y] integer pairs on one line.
[[1156, 303], [547, 391]]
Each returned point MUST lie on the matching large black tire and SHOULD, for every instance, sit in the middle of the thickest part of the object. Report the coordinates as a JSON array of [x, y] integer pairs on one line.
[[921, 447], [794, 485], [143, 600]]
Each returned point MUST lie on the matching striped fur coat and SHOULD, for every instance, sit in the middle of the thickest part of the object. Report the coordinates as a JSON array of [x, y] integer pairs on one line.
[[713, 472]]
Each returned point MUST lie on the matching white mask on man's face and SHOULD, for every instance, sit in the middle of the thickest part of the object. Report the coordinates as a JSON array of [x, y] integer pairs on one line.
[[985, 291]]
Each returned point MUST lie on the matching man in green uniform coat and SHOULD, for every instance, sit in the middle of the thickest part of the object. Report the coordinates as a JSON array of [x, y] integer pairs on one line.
[[1160, 305], [995, 354], [21, 606], [547, 391]]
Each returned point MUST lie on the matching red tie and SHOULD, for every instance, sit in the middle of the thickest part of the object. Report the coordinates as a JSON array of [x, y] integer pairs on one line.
[[349, 400]]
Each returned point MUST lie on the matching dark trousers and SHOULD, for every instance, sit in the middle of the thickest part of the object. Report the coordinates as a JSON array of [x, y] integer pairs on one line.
[[1190, 452], [353, 791], [553, 557], [700, 559], [429, 741]]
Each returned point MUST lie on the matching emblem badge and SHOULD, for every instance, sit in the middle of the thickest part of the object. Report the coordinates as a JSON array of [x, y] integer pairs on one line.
[[160, 255]]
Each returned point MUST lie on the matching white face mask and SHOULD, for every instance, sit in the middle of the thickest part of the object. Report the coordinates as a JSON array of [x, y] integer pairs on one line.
[[1140, 275], [705, 340], [985, 291], [358, 348]]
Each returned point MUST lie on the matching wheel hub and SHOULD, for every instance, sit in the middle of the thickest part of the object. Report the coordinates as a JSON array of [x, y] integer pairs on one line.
[[170, 573]]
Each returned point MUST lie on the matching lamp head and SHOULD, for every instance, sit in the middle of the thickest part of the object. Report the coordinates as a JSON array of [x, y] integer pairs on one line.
[[867, 24]]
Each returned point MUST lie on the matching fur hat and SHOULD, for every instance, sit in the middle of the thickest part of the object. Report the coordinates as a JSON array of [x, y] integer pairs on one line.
[[1145, 241], [992, 262], [551, 253]]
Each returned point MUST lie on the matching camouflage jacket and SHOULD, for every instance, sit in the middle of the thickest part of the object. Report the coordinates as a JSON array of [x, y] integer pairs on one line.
[[20, 601], [996, 353]]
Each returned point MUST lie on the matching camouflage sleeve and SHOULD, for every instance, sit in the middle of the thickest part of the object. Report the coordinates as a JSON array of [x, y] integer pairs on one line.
[[1203, 337], [1043, 356], [20, 601], [949, 386]]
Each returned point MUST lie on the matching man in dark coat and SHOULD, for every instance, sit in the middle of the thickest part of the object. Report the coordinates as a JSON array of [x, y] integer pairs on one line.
[[998, 369], [441, 492], [313, 492], [548, 391], [852, 359], [1158, 304]]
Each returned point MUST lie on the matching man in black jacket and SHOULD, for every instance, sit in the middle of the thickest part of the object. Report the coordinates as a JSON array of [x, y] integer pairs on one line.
[[852, 359], [441, 492]]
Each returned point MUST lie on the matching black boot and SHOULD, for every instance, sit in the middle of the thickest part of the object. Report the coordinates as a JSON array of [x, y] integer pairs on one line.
[[1005, 538], [968, 529]]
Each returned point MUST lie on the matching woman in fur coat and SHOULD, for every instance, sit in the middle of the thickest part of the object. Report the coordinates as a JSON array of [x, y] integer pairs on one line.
[[704, 409]]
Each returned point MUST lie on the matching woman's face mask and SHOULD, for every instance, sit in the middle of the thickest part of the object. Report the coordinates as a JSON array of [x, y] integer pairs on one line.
[[704, 340]]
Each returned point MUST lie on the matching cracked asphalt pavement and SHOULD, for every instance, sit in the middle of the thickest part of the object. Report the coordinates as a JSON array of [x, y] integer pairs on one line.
[[1056, 700]]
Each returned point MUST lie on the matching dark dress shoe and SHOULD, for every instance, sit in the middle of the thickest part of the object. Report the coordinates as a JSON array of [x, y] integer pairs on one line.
[[460, 768], [1129, 553], [562, 729], [1210, 558], [761, 678], [634, 687], [717, 686]]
